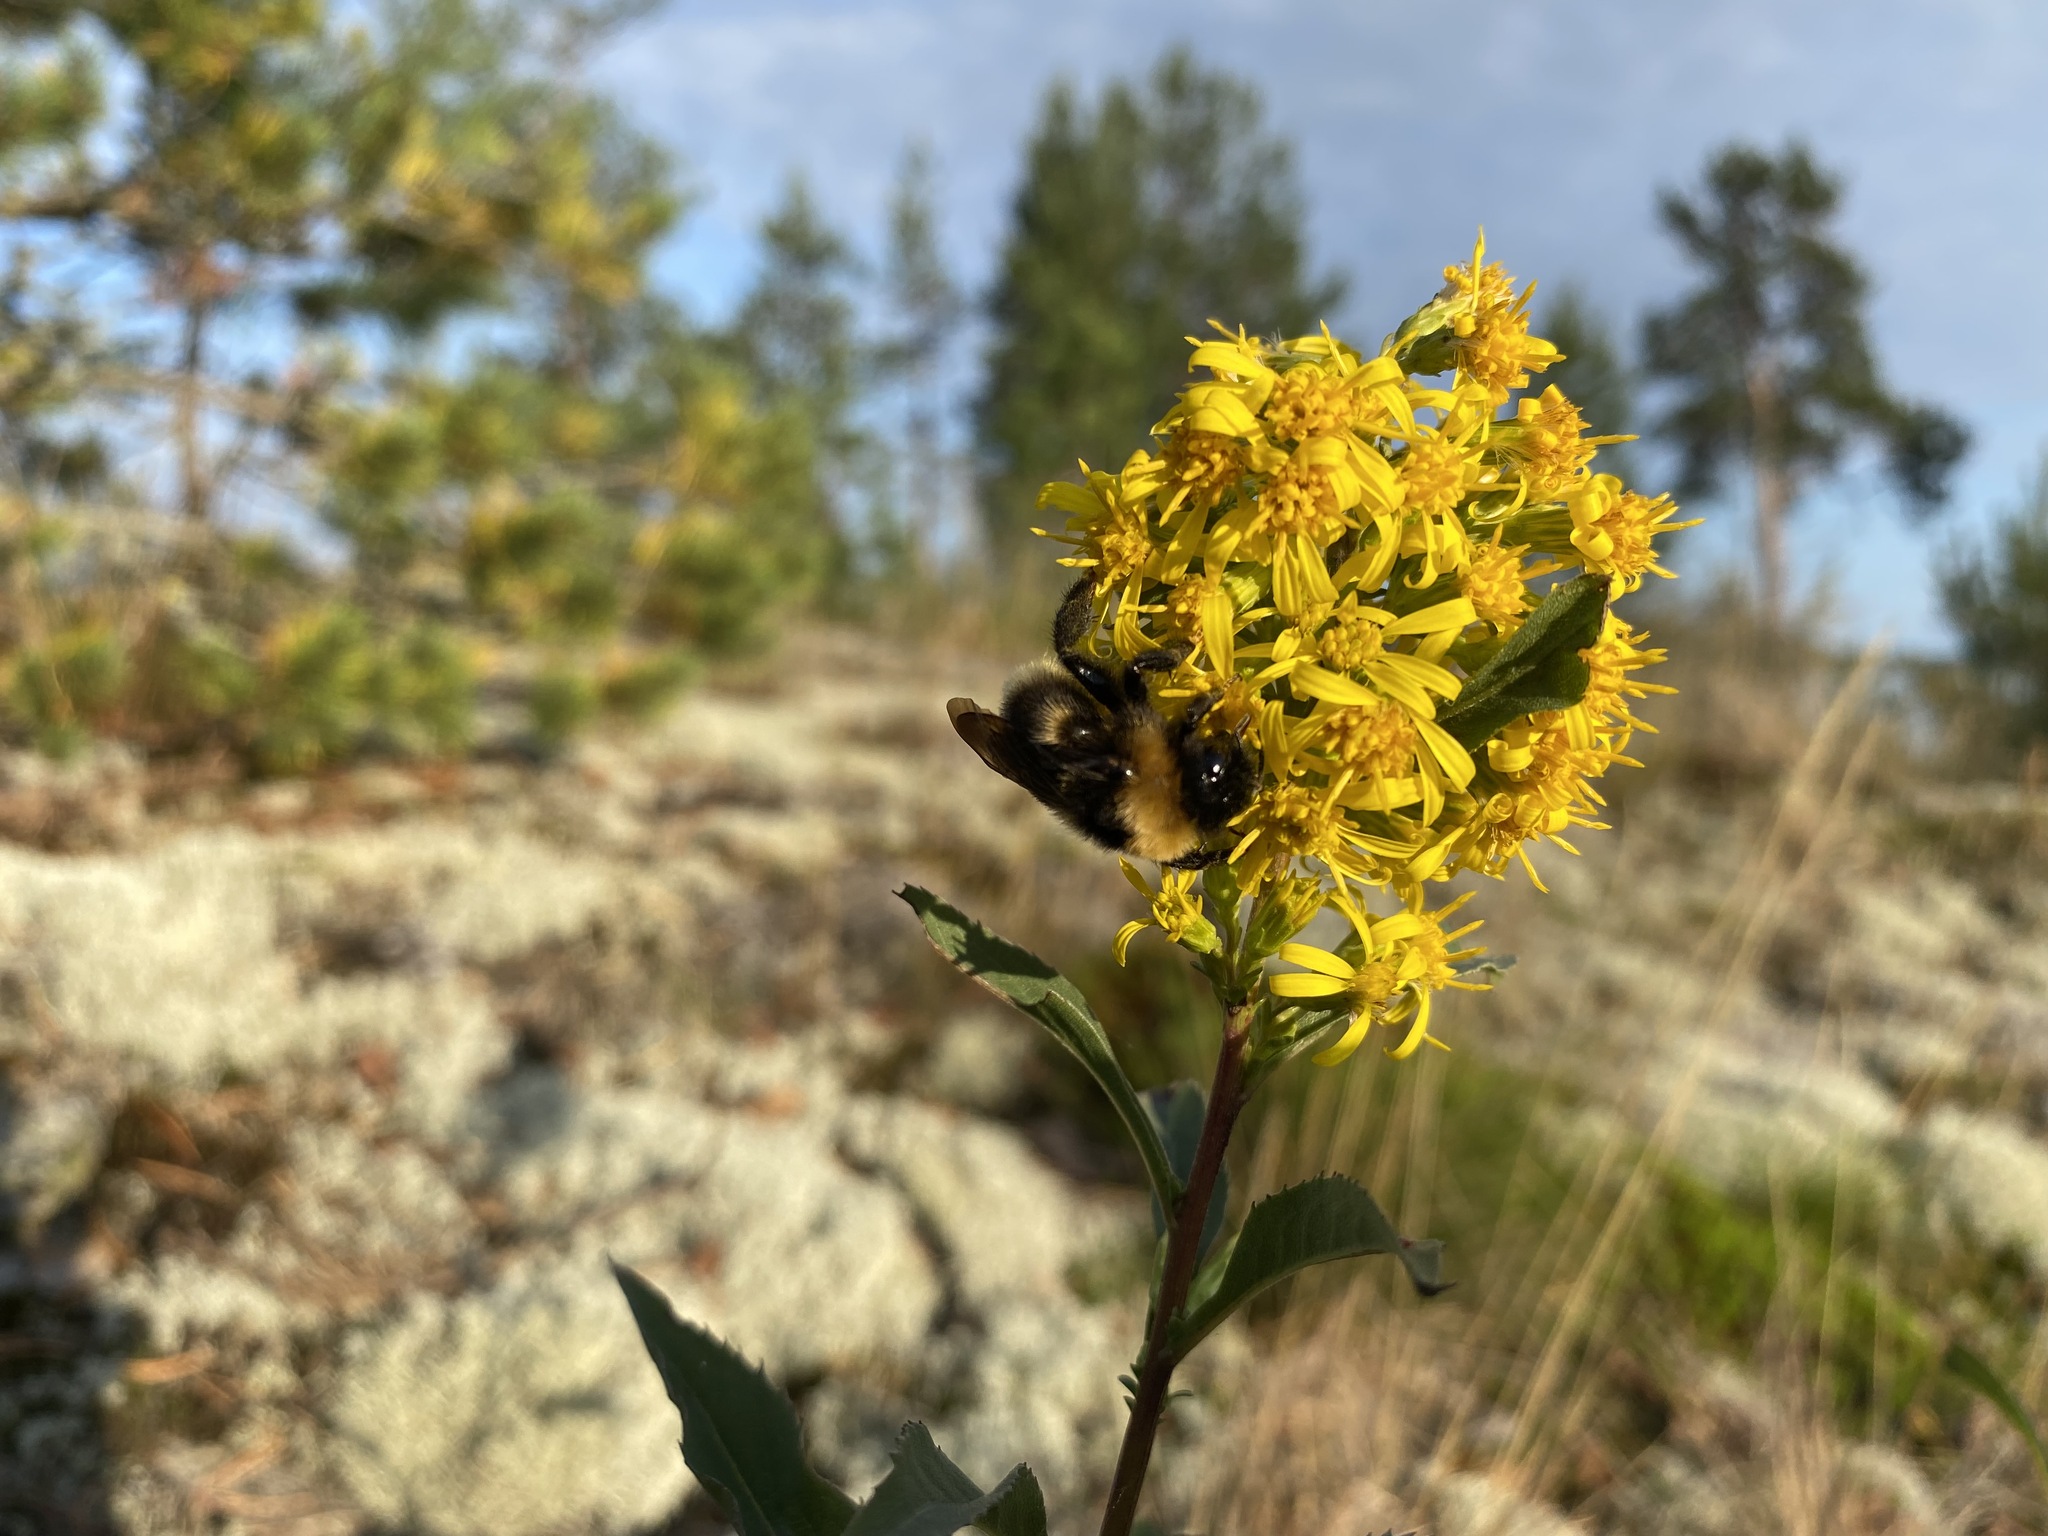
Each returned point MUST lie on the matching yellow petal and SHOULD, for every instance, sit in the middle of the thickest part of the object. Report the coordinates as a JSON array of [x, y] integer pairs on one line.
[[1315, 570], [1432, 777], [1060, 496], [1121, 947], [1300, 576], [1444, 747], [1352, 1039], [1397, 685], [1431, 859], [1279, 753], [1301, 984], [1308, 680], [1228, 357], [1428, 674], [1219, 632], [1320, 961], [1378, 484], [1452, 615], [1417, 1032], [1393, 927], [1185, 544]]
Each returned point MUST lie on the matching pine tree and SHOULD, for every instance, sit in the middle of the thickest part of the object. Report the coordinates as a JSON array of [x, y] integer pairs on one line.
[[925, 308], [1769, 357], [306, 205], [1136, 223], [1997, 599]]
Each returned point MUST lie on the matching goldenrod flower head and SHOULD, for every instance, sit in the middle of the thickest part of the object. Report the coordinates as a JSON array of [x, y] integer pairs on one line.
[[1614, 660], [1176, 911], [1108, 519], [1333, 544], [1613, 529], [1375, 741], [1548, 440], [1491, 323], [1203, 464], [1433, 475], [1352, 637], [1401, 962], [1497, 582], [1186, 602]]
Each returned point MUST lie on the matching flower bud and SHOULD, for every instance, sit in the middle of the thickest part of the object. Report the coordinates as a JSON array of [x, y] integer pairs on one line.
[[1283, 909]]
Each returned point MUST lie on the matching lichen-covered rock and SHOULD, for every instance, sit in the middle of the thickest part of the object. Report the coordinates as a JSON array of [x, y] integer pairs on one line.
[[1750, 1119], [1040, 1386], [1994, 1177], [1008, 1224], [528, 1409], [477, 894], [50, 1149], [169, 957], [979, 1061]]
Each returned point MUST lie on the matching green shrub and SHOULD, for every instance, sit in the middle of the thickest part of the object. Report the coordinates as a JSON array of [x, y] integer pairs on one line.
[[560, 703]]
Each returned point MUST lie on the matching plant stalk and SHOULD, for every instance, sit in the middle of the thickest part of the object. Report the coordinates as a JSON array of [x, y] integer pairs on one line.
[[1183, 1248]]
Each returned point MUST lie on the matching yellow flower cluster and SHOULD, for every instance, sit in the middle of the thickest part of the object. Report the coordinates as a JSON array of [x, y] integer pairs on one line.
[[1344, 542]]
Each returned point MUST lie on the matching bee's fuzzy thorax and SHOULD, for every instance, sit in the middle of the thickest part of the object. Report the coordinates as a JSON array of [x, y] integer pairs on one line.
[[1150, 805]]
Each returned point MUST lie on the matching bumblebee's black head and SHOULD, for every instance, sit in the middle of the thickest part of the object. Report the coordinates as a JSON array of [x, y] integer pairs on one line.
[[1218, 777]]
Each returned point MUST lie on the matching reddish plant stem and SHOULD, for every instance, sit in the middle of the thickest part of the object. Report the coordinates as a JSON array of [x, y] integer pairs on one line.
[[1183, 1248]]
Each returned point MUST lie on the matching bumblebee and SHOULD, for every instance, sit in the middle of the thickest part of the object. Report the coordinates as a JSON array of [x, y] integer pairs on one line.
[[1084, 737]]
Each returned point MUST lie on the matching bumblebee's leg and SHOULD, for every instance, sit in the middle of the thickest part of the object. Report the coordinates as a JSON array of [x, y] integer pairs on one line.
[[1145, 663], [1100, 682], [1165, 659], [1199, 858], [1075, 620], [1072, 625]]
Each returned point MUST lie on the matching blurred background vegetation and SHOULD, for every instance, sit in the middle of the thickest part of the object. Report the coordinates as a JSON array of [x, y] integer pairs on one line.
[[341, 412]]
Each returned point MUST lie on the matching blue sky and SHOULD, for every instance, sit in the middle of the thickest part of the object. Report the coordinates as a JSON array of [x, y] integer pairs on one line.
[[1550, 121]]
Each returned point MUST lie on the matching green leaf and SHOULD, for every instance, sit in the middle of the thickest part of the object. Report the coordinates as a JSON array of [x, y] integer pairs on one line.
[[1026, 982], [926, 1495], [740, 1435], [1424, 343], [1312, 1223], [1179, 1111], [1538, 668], [1974, 1373]]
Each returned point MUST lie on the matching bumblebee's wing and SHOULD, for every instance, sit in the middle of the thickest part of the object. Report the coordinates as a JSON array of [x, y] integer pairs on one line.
[[987, 733]]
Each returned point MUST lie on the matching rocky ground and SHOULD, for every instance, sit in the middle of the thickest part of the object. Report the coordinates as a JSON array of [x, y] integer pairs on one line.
[[325, 1103]]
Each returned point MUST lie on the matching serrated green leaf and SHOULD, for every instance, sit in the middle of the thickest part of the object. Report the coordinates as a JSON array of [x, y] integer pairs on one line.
[[1178, 1112], [740, 1435], [926, 1495], [1974, 1373], [1028, 984], [1312, 1223], [1538, 668]]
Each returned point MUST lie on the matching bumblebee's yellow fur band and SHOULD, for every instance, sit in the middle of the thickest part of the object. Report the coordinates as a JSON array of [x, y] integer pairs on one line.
[[1150, 807]]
